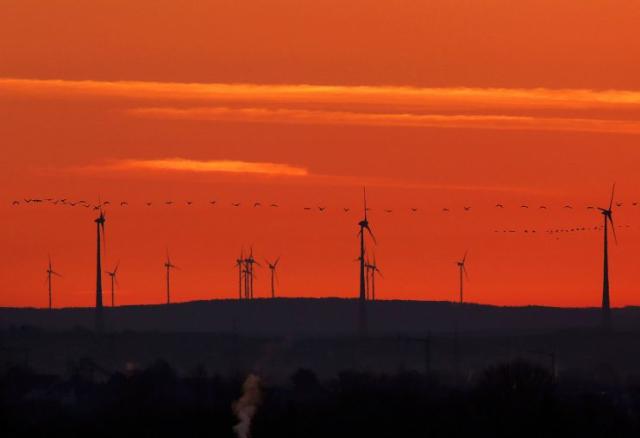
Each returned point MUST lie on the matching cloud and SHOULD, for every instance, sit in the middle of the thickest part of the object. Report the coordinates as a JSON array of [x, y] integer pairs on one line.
[[604, 111], [238, 167], [426, 98], [320, 117], [206, 166]]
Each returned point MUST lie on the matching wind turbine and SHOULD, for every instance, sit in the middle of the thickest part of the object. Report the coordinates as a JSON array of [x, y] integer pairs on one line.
[[607, 214], [274, 275], [240, 265], [373, 269], [50, 273], [364, 225], [367, 275], [169, 266], [114, 280], [100, 220], [463, 273], [249, 262]]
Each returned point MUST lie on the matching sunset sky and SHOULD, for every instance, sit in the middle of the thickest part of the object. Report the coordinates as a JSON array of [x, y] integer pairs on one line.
[[429, 104]]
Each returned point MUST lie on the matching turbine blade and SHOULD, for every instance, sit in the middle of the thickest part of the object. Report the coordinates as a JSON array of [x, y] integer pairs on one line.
[[364, 195], [371, 234], [613, 229], [104, 238], [613, 191], [465, 256], [464, 269]]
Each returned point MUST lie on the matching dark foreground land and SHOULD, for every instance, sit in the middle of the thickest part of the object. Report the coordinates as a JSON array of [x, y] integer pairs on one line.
[[514, 399], [424, 369]]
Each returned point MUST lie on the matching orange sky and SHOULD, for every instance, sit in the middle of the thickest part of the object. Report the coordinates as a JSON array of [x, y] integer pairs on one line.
[[446, 103]]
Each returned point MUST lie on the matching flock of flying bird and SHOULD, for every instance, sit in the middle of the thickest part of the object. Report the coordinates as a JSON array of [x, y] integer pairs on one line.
[[323, 209], [257, 204]]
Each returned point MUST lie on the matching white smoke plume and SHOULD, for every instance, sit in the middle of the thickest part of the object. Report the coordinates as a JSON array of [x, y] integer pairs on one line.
[[246, 406]]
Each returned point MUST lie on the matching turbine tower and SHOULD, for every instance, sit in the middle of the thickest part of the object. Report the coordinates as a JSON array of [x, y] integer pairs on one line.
[[114, 280], [274, 275], [463, 273], [100, 220], [607, 214], [169, 266], [50, 273]]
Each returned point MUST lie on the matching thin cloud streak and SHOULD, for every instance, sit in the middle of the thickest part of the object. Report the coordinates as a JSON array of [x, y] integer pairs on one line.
[[207, 166], [319, 117], [427, 98], [261, 169]]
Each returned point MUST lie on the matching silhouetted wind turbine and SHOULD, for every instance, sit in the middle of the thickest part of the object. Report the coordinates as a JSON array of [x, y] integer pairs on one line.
[[240, 265], [274, 275], [373, 269], [364, 225], [607, 213], [249, 262], [463, 273], [169, 266], [114, 280], [50, 273]]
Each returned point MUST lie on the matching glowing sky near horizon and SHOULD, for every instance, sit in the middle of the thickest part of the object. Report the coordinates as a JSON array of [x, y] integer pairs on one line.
[[432, 105]]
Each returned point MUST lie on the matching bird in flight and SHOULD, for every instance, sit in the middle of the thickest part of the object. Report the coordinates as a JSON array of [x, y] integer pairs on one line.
[[235, 204], [168, 202], [212, 202], [15, 203], [413, 209], [618, 204], [388, 210], [543, 207], [274, 205], [307, 208], [106, 203], [499, 206], [148, 204], [189, 202], [123, 203], [257, 204], [467, 208], [445, 209], [322, 209], [524, 206], [568, 206], [346, 210]]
